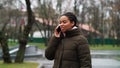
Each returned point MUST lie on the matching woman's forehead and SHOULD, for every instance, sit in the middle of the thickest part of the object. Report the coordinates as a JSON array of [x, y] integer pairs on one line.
[[63, 18]]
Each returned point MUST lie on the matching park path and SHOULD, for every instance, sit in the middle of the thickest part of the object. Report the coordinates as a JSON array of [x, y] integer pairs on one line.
[[100, 59]]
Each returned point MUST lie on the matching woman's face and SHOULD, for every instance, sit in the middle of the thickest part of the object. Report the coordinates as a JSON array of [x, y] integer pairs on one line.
[[65, 23]]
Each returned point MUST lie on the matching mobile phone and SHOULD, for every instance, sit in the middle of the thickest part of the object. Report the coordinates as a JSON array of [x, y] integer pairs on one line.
[[58, 29]]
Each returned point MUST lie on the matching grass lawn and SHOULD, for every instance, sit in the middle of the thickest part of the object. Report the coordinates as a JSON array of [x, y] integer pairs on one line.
[[99, 47], [39, 45], [17, 65]]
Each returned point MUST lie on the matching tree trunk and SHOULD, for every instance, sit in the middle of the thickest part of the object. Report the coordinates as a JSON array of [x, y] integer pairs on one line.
[[24, 37], [20, 53], [5, 49]]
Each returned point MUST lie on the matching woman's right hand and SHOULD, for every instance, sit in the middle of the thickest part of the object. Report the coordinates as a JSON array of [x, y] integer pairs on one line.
[[56, 33]]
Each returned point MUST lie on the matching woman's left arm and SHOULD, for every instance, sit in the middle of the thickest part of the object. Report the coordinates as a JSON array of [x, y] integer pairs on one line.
[[84, 53]]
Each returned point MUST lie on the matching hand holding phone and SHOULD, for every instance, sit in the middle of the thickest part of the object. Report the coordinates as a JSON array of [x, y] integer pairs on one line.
[[58, 29]]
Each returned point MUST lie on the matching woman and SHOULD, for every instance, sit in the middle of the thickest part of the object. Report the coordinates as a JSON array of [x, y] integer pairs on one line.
[[68, 47]]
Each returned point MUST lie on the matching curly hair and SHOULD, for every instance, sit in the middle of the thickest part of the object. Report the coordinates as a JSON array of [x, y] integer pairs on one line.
[[71, 17]]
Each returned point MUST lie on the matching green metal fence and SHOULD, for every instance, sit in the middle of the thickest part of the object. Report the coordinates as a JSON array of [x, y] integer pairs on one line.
[[104, 41]]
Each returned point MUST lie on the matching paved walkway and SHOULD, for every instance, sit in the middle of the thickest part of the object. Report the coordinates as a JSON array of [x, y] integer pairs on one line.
[[100, 59]]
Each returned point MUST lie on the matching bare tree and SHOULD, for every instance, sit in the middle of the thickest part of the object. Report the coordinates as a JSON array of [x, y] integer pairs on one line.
[[48, 15], [5, 49], [23, 39], [5, 16]]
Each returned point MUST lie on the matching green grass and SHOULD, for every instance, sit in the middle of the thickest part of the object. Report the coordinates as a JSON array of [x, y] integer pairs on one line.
[[39, 45], [19, 65], [100, 47], [12, 43]]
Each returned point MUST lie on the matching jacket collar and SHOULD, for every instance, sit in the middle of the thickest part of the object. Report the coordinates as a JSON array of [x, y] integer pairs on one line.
[[75, 31]]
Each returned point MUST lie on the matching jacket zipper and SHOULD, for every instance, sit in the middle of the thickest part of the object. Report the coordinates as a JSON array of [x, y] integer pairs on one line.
[[61, 54]]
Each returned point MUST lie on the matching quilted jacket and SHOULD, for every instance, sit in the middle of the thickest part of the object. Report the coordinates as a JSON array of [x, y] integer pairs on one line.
[[70, 51]]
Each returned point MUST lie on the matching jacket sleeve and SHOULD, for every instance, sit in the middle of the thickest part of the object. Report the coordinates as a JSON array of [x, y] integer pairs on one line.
[[84, 53], [51, 48]]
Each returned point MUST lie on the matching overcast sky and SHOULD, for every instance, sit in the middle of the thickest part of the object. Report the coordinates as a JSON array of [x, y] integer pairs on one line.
[[66, 5]]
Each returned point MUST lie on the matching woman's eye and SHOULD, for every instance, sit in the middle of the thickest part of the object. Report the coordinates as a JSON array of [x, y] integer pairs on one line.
[[64, 21], [60, 22]]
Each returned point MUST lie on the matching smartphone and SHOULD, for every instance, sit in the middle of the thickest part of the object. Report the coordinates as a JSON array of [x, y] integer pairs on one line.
[[58, 29]]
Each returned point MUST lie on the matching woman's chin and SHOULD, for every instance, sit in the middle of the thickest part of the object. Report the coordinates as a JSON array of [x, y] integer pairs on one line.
[[63, 31]]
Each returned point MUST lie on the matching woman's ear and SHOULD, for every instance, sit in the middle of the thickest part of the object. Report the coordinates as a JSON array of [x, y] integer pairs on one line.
[[73, 23]]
